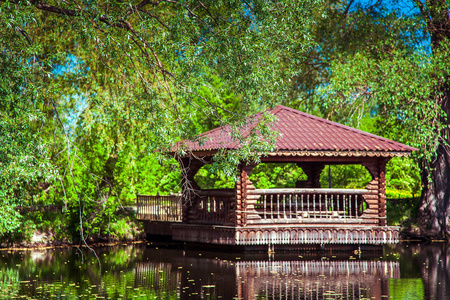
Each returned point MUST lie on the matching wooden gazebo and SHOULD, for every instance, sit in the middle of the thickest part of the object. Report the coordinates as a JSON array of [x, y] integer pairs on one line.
[[307, 214]]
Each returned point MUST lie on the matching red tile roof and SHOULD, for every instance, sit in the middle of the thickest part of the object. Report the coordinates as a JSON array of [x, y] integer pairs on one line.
[[300, 131]]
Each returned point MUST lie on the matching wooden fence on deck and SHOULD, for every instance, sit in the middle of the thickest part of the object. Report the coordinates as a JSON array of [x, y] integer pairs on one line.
[[159, 208], [313, 205]]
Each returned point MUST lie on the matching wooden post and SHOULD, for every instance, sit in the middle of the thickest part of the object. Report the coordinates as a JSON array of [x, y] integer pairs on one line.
[[238, 204], [382, 190], [377, 187], [243, 201], [312, 170]]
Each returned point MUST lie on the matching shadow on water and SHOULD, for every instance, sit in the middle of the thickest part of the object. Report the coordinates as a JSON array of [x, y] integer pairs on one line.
[[404, 271]]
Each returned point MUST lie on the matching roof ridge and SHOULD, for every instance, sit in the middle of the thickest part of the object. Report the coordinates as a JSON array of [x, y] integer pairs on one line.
[[329, 122]]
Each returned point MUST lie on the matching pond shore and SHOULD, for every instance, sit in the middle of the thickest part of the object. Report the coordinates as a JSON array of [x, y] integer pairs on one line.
[[67, 245]]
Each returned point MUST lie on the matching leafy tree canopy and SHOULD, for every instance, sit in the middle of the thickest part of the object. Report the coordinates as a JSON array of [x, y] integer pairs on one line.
[[92, 87], [388, 60]]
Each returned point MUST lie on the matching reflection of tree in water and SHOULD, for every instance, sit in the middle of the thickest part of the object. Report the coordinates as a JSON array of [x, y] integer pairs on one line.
[[9, 283], [431, 262], [191, 277]]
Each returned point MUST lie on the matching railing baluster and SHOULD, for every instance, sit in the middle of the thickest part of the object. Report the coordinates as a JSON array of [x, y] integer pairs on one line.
[[308, 206], [349, 205], [332, 202], [160, 211], [338, 204], [296, 208], [264, 206], [320, 205], [314, 205], [301, 208], [271, 206], [290, 205], [278, 206], [350, 212], [211, 208], [163, 213]]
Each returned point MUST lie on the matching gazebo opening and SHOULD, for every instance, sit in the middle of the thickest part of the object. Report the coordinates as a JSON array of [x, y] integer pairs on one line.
[[345, 177], [277, 175], [210, 177]]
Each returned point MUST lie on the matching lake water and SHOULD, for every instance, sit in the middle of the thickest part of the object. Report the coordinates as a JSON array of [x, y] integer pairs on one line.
[[145, 271]]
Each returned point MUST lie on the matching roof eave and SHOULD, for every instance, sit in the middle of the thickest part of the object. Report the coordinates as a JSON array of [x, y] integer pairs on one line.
[[330, 153], [309, 153]]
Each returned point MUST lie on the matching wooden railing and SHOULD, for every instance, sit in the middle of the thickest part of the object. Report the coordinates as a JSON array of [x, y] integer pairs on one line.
[[308, 204], [213, 206], [159, 208]]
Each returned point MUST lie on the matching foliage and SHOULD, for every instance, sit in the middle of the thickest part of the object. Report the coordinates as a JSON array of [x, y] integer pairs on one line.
[[345, 176], [209, 177], [388, 60], [271, 175], [94, 94], [92, 89], [24, 159], [402, 211], [402, 178]]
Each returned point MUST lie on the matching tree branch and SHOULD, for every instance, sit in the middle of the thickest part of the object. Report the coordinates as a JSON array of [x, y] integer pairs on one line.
[[348, 7], [209, 13], [423, 11]]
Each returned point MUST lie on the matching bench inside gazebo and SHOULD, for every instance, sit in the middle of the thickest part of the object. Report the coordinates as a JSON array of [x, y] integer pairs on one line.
[[305, 215]]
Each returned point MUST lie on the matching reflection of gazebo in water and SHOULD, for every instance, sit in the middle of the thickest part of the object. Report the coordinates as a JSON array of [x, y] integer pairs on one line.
[[190, 276], [307, 214]]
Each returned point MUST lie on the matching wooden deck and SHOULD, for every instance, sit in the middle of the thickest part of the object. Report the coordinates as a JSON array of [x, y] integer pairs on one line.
[[269, 217]]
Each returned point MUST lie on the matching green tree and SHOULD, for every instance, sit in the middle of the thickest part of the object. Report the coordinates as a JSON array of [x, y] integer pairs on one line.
[[389, 59], [24, 159], [118, 80]]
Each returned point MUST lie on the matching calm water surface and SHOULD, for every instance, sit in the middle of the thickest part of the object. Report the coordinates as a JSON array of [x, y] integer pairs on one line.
[[414, 271]]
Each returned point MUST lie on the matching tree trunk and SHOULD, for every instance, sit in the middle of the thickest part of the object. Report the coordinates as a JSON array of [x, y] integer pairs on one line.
[[434, 212]]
